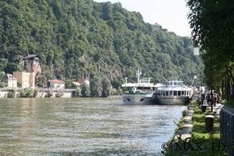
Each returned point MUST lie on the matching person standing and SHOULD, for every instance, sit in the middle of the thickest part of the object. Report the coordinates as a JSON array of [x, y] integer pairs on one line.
[[208, 99], [202, 98]]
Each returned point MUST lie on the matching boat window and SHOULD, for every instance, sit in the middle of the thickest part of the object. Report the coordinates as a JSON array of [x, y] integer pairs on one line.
[[175, 93], [179, 93], [171, 93], [166, 93], [158, 93]]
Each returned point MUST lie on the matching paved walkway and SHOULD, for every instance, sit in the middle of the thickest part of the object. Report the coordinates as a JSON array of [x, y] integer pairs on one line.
[[217, 109], [185, 131]]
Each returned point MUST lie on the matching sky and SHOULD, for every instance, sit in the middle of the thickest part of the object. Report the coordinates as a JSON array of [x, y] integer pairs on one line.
[[170, 14]]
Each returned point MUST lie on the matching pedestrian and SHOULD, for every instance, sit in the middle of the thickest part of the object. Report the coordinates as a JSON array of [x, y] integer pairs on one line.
[[202, 98], [214, 99], [208, 99]]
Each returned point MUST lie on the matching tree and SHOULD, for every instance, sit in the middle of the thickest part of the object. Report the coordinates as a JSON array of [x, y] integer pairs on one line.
[[95, 87], [85, 90], [117, 82], [10, 68], [212, 29], [81, 38], [76, 93], [106, 88], [68, 84]]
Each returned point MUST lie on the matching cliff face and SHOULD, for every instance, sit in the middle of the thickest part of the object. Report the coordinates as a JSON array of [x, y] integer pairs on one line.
[[82, 38]]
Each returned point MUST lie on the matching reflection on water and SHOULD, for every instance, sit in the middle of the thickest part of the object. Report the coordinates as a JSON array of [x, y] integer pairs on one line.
[[84, 127]]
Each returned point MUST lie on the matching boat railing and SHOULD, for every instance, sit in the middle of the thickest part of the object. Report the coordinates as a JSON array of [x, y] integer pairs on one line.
[[145, 80], [175, 82]]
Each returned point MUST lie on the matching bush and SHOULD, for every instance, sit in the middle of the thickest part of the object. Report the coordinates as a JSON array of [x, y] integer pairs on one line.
[[35, 92], [49, 93], [76, 93], [11, 94], [3, 84], [28, 93], [85, 90]]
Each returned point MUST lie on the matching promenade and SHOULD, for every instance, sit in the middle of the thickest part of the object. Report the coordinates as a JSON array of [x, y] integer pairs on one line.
[[185, 131]]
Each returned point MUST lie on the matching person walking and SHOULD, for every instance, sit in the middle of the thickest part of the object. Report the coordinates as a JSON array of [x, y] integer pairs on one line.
[[208, 99]]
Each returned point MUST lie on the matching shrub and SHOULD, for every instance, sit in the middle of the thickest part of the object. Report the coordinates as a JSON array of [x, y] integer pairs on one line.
[[49, 93], [76, 93], [11, 94], [28, 93]]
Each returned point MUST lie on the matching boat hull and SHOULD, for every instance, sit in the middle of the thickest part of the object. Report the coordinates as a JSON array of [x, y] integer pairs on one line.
[[138, 98], [172, 100]]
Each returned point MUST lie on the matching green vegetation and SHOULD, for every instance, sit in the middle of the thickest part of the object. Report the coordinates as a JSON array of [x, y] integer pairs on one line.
[[85, 90], [76, 93], [49, 93], [229, 102], [11, 93], [3, 84], [201, 142], [199, 125], [212, 27], [83, 38], [28, 93]]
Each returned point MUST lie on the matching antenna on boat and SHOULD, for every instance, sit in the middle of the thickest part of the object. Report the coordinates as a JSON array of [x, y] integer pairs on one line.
[[194, 77], [126, 79], [138, 74]]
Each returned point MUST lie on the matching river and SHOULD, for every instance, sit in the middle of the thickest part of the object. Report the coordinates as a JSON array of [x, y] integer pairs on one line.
[[84, 126]]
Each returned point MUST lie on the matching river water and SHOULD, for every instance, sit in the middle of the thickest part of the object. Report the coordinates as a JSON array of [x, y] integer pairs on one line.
[[83, 126]]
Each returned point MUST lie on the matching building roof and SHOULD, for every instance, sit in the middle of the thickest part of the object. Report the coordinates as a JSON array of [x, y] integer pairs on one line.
[[9, 76], [57, 81], [76, 83], [82, 80]]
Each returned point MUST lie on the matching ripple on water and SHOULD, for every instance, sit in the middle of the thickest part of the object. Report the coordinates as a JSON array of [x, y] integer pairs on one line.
[[84, 127]]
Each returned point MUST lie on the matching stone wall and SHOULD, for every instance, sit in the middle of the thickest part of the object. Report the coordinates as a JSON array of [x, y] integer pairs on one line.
[[66, 93]]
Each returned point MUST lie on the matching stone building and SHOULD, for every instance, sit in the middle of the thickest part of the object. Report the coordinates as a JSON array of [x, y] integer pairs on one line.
[[25, 79]]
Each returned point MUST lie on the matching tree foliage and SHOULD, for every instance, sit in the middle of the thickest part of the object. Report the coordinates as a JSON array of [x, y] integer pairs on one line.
[[85, 90], [212, 29], [79, 38]]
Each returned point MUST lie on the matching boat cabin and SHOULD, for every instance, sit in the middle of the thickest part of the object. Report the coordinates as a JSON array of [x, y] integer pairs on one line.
[[172, 93], [174, 88], [175, 83], [134, 88]]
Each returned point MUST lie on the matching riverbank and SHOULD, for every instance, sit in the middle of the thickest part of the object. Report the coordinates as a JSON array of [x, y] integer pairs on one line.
[[42, 93], [192, 137]]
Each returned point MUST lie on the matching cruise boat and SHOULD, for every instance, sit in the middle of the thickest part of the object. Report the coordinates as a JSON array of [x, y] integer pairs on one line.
[[141, 92], [172, 93]]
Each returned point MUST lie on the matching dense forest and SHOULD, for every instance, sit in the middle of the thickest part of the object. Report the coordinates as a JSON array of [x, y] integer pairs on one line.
[[83, 38]]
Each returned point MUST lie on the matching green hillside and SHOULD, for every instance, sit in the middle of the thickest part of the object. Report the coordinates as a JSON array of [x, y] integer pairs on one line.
[[102, 41]]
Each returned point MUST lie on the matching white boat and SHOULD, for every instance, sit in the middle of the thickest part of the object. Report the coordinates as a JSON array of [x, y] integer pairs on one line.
[[175, 92], [141, 92]]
